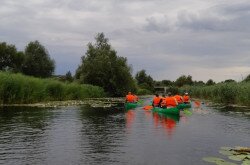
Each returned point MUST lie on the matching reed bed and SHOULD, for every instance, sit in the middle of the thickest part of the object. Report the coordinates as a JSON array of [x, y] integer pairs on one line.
[[228, 93], [19, 89]]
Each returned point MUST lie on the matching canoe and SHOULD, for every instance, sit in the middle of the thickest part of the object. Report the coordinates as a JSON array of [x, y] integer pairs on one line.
[[173, 111], [130, 105], [183, 106]]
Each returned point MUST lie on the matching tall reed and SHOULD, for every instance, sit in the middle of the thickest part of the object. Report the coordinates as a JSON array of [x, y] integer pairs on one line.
[[228, 93], [18, 88]]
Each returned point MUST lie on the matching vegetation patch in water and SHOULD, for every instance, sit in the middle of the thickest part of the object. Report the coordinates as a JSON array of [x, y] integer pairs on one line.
[[239, 154]]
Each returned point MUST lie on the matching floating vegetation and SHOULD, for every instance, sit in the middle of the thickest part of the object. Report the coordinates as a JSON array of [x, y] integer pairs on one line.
[[238, 154], [94, 102]]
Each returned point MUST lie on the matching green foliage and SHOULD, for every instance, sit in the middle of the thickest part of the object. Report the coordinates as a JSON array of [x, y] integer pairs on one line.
[[166, 82], [184, 80], [37, 61], [10, 59], [210, 82], [233, 93], [68, 77], [143, 92], [144, 81], [247, 79], [17, 88], [102, 67]]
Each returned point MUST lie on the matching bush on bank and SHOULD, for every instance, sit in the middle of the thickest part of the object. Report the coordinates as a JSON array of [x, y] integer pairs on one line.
[[17, 88], [228, 93]]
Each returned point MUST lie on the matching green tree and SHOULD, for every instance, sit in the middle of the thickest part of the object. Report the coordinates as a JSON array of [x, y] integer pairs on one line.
[[102, 67], [37, 61], [184, 80], [210, 82], [7, 53], [18, 62], [167, 82], [144, 81], [247, 79], [229, 81], [198, 83], [68, 77]]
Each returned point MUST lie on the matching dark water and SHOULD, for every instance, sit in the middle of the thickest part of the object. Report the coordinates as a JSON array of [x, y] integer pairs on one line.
[[83, 135]]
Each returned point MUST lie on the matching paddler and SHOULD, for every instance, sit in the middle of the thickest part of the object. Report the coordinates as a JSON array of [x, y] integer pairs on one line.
[[163, 101], [186, 98], [130, 98], [171, 101], [178, 98], [156, 101]]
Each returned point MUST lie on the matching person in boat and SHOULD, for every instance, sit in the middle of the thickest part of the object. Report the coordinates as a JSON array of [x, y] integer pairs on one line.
[[178, 98], [163, 101], [156, 101], [186, 98], [171, 101], [130, 98]]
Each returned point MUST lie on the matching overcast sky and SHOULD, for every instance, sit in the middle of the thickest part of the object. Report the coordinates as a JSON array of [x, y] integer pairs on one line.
[[167, 38]]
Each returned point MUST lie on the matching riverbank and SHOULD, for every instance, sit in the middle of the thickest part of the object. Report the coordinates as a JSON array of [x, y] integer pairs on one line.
[[225, 93], [21, 89]]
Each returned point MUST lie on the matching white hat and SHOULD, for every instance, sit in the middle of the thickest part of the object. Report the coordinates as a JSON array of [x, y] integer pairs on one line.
[[186, 93]]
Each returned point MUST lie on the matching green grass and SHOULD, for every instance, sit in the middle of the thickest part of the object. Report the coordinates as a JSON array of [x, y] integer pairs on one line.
[[228, 93], [17, 88]]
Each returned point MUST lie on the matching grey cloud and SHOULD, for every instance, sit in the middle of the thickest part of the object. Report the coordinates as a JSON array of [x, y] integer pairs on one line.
[[153, 25]]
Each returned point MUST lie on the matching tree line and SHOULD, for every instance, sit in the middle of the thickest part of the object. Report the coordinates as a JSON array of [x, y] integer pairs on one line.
[[99, 66], [33, 61]]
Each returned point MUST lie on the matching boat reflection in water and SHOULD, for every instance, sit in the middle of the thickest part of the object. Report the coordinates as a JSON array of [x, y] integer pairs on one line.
[[166, 121], [130, 117]]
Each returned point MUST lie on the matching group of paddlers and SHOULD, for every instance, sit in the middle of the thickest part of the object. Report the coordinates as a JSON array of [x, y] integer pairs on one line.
[[163, 101], [170, 101]]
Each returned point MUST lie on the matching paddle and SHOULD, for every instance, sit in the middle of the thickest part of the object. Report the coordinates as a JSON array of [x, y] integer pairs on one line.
[[148, 107], [187, 112]]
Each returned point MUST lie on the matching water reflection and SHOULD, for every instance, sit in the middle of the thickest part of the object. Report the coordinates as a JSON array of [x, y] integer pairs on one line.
[[22, 130], [130, 117], [102, 133], [166, 121]]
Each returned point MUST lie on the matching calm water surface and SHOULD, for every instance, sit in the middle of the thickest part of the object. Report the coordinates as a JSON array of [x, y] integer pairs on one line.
[[84, 135]]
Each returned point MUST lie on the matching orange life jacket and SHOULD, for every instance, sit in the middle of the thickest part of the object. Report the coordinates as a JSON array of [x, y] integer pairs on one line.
[[186, 98], [130, 98], [178, 99], [156, 101], [171, 102]]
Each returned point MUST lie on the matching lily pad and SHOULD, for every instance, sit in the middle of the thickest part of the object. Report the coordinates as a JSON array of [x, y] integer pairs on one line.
[[225, 163], [226, 148], [227, 152], [246, 162], [213, 159], [237, 157]]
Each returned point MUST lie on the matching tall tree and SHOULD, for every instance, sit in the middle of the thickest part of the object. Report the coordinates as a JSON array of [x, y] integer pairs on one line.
[[144, 81], [210, 82], [68, 77], [247, 79], [102, 67], [37, 61], [7, 53], [184, 80]]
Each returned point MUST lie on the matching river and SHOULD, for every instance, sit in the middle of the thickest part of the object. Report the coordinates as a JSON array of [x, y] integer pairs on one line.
[[85, 135]]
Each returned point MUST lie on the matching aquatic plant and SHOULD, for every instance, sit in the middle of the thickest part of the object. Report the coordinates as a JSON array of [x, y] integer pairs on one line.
[[18, 88], [238, 154]]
